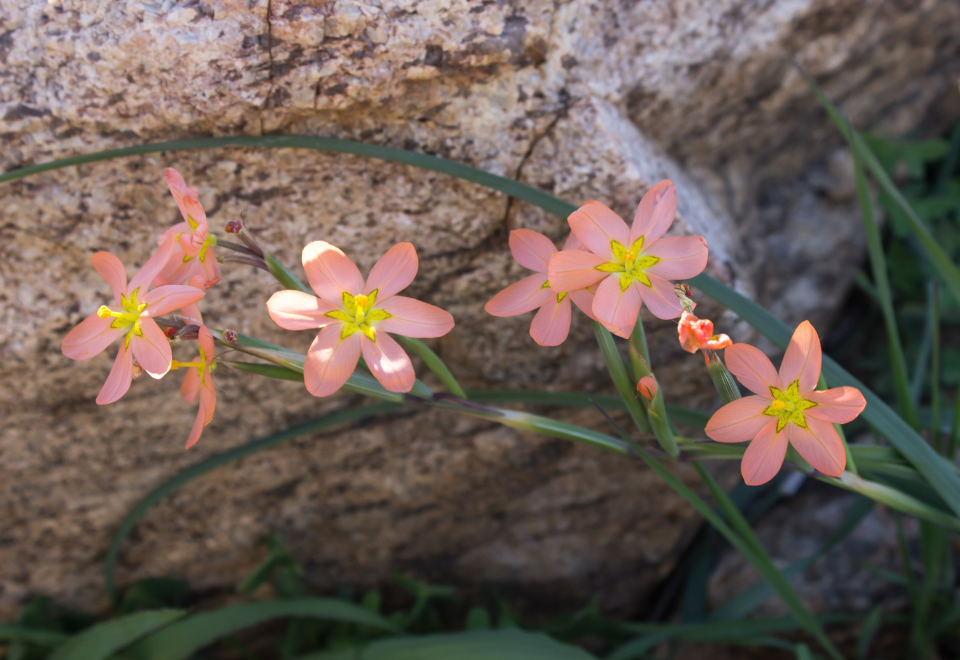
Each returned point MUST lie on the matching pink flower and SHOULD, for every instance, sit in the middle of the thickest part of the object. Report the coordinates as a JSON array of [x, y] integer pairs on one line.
[[356, 317], [551, 325], [199, 380], [786, 408], [131, 318], [647, 387], [193, 252], [632, 264], [698, 333]]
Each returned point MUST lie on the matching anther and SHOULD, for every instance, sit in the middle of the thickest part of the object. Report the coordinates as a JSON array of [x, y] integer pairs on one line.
[[104, 312]]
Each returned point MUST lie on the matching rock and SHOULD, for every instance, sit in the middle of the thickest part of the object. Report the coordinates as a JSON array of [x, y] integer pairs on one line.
[[583, 99]]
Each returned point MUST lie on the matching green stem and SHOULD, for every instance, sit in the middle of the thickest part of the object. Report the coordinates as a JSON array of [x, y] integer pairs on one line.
[[934, 295], [721, 376], [618, 373], [656, 408]]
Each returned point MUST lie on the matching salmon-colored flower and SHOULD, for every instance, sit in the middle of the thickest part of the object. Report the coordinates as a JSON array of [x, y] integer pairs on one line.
[[698, 333], [199, 380], [632, 264], [647, 387], [132, 319], [193, 251], [786, 408], [356, 317], [551, 325]]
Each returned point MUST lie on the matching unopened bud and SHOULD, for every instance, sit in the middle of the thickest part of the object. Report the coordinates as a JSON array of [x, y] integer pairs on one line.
[[233, 227], [647, 387], [137, 370], [683, 293], [171, 333], [230, 336]]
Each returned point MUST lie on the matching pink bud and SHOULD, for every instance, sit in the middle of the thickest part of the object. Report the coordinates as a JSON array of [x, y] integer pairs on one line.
[[647, 387], [230, 336], [233, 227]]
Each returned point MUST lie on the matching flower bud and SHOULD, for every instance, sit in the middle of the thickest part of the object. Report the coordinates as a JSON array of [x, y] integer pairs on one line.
[[233, 227], [137, 370], [647, 387], [230, 336]]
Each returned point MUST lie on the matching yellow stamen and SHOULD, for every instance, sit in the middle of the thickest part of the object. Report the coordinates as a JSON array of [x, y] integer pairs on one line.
[[788, 406], [104, 312]]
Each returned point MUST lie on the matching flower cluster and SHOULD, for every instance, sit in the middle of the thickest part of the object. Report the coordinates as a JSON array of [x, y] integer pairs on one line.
[[174, 278], [608, 269]]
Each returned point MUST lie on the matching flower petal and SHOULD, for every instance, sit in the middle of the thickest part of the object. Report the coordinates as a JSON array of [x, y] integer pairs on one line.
[[838, 405], [90, 337], [551, 325], [296, 310], [583, 299], [205, 339], [574, 243], [570, 270], [330, 272], [752, 368], [152, 268], [190, 387], [655, 213], [121, 375], [330, 361], [681, 257], [660, 297], [739, 420], [412, 318], [185, 197], [616, 306], [803, 359], [388, 362], [394, 271], [520, 297], [764, 456], [111, 269], [820, 445], [596, 225], [208, 403], [531, 249], [151, 349], [165, 299]]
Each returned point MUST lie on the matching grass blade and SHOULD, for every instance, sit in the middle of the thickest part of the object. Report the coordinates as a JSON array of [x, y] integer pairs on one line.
[[101, 641], [868, 632], [181, 640], [475, 645], [878, 264], [191, 473]]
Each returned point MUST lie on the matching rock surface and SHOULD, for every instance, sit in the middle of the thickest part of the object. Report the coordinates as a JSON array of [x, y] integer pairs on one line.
[[583, 99]]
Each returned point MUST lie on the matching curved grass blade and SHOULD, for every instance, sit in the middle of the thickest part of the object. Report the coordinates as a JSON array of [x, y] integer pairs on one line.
[[868, 632], [688, 416], [878, 264], [510, 644], [749, 549], [434, 364], [101, 641], [191, 473], [941, 476], [181, 640]]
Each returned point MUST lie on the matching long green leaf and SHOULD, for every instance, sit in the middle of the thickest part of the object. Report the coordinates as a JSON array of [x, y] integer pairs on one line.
[[191, 473], [181, 640], [15, 633], [941, 476], [475, 645], [284, 276], [101, 641], [878, 264]]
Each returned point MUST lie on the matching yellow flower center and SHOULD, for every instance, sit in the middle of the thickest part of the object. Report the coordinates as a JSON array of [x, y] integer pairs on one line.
[[630, 262], [788, 406], [359, 314], [129, 316]]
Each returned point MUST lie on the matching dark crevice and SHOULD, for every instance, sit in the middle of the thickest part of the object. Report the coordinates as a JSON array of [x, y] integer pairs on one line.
[[266, 103]]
